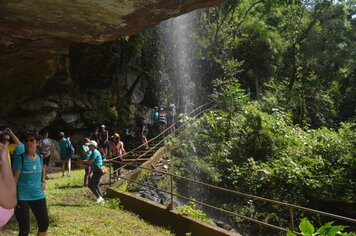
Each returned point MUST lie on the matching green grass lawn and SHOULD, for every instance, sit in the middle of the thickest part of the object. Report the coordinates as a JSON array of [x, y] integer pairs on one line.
[[72, 212]]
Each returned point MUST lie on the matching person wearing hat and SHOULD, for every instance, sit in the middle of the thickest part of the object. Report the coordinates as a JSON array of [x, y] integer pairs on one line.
[[96, 163]]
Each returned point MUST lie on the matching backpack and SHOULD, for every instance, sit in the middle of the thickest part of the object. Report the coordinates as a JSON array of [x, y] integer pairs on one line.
[[71, 149], [155, 116]]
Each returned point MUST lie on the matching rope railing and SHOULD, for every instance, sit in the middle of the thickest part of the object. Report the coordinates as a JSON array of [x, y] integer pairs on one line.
[[289, 206]]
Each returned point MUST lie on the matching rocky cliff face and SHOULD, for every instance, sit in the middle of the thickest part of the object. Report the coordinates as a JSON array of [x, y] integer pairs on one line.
[[110, 83], [62, 65]]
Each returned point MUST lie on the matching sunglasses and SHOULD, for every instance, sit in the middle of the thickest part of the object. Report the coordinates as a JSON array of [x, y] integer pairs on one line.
[[30, 140], [5, 139]]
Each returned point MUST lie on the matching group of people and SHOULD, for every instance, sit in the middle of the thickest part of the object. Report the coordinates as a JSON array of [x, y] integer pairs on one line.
[[23, 166], [93, 151], [160, 119], [92, 155], [23, 172]]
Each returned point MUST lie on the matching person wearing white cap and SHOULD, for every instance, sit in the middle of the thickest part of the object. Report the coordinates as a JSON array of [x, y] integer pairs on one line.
[[96, 162]]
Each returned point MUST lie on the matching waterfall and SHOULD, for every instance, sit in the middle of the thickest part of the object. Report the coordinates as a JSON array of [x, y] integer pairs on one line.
[[178, 60], [180, 78], [178, 63]]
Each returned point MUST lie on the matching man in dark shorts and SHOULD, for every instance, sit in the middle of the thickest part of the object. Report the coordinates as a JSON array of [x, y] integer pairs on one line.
[[45, 150]]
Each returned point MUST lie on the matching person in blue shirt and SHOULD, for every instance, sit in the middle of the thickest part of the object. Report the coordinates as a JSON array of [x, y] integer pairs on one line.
[[96, 163], [64, 153], [154, 118], [30, 179]]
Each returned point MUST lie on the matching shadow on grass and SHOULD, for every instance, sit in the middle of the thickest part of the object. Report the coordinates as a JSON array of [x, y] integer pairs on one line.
[[70, 205], [69, 186]]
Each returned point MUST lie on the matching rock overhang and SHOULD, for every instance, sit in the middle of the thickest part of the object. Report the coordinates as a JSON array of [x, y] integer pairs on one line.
[[36, 37], [92, 22]]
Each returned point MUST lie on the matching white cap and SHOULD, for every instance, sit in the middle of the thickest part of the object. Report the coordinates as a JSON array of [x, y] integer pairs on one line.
[[102, 126], [93, 143]]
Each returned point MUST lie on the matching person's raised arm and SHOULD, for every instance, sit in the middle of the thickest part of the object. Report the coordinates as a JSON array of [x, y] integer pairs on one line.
[[13, 136], [7, 182]]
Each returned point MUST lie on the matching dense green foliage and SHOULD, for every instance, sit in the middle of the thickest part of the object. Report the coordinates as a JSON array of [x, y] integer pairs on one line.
[[298, 56], [191, 211], [239, 146], [283, 77]]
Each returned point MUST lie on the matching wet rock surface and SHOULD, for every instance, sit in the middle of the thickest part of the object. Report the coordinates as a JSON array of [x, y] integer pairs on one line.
[[148, 186]]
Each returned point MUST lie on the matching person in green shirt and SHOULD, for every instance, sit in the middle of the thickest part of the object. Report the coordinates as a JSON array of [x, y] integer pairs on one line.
[[64, 153]]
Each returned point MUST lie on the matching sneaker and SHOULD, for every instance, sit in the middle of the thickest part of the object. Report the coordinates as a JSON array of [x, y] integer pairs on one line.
[[100, 200]]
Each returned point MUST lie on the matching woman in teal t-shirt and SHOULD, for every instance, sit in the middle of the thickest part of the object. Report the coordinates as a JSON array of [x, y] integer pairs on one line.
[[29, 175], [96, 162]]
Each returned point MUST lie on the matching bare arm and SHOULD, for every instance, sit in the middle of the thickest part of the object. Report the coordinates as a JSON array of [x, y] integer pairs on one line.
[[43, 178], [7, 182], [13, 136], [123, 149]]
